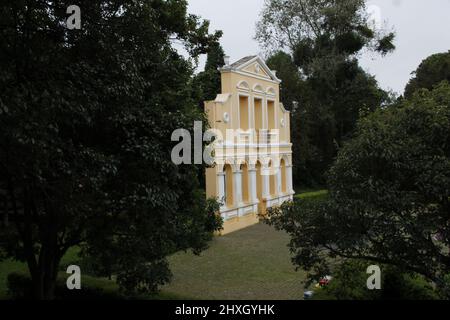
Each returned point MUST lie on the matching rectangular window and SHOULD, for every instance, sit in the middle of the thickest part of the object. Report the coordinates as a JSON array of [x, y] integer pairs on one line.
[[258, 115], [244, 113], [271, 115]]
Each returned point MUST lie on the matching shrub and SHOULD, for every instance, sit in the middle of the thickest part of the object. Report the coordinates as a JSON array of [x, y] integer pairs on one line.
[[20, 288], [350, 280]]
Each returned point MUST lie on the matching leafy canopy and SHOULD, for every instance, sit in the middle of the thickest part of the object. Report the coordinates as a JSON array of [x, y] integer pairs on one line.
[[389, 194], [85, 123], [431, 71], [320, 42]]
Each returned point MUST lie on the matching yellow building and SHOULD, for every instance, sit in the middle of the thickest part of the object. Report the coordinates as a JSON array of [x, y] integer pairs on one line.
[[253, 154]]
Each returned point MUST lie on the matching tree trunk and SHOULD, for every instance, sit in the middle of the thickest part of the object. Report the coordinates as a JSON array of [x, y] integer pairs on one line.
[[44, 280]]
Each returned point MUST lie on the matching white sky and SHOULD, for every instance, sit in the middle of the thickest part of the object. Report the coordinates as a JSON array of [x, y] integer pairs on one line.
[[422, 28]]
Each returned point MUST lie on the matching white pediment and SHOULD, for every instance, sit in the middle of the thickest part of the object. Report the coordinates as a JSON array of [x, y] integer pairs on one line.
[[254, 66], [257, 69]]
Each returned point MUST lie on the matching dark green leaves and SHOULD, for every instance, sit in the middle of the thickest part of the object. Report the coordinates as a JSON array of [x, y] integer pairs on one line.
[[86, 118], [389, 194]]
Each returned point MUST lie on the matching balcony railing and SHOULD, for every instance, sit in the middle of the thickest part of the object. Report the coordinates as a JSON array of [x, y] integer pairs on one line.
[[262, 136]]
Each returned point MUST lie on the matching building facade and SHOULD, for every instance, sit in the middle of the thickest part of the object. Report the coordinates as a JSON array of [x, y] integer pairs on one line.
[[252, 168]]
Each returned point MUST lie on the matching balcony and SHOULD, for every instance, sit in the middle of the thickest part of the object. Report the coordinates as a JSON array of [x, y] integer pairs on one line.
[[268, 137], [263, 136]]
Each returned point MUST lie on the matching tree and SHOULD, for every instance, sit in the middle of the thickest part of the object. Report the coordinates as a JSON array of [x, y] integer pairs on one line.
[[293, 92], [86, 118], [430, 72], [208, 82], [350, 277], [308, 27], [207, 85], [389, 195], [323, 39]]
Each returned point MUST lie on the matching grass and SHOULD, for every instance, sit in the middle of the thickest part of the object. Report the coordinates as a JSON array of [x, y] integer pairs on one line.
[[10, 266], [254, 263], [7, 267], [249, 264], [312, 195]]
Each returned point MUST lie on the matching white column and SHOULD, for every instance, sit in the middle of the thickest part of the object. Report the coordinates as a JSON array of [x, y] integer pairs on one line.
[[290, 187], [221, 189], [238, 188], [252, 183]]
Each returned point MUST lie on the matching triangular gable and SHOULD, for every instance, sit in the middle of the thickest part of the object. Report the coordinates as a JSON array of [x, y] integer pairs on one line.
[[257, 69], [255, 66]]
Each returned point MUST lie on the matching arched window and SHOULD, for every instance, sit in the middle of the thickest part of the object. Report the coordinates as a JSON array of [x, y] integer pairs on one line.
[[229, 196], [271, 91], [283, 176], [258, 88], [243, 85], [245, 184]]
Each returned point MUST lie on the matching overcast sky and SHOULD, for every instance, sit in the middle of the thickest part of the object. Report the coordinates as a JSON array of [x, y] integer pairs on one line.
[[422, 28]]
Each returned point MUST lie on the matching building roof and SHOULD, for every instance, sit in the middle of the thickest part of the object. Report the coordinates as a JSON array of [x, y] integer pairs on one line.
[[241, 64], [242, 61]]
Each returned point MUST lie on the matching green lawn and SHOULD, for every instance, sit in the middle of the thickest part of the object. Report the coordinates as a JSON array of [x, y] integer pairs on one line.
[[253, 263], [6, 267], [249, 264], [312, 194], [9, 266]]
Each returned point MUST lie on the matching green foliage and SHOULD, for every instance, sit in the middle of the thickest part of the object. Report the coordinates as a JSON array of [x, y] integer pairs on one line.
[[322, 74], [320, 27], [389, 194], [292, 91], [20, 287], [349, 283], [208, 82], [430, 72], [85, 125]]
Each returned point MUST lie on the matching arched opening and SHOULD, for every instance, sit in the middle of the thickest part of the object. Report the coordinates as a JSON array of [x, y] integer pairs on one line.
[[271, 91], [258, 88], [273, 176], [245, 184], [283, 176], [243, 85], [229, 197]]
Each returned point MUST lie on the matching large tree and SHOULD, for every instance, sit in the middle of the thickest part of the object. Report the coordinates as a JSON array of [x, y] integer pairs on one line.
[[293, 92], [208, 82], [207, 85], [389, 195], [323, 39], [306, 27], [431, 71], [86, 120]]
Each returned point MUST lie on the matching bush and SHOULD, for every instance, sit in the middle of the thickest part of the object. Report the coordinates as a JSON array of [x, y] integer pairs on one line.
[[350, 280], [388, 198], [20, 288]]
